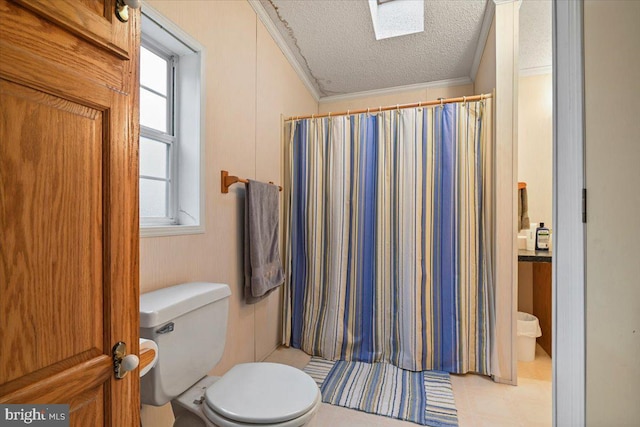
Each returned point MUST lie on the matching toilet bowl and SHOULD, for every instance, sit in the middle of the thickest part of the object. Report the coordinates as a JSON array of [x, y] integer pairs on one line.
[[250, 394], [188, 323]]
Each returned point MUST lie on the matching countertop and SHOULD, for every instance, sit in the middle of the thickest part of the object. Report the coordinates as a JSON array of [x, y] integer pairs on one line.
[[534, 256]]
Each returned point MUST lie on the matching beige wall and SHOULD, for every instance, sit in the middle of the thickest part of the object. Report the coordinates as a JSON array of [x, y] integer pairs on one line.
[[427, 94], [249, 83], [612, 91], [535, 144], [485, 80]]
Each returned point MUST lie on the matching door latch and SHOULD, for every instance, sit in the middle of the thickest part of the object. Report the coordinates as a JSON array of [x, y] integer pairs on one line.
[[123, 362], [122, 8]]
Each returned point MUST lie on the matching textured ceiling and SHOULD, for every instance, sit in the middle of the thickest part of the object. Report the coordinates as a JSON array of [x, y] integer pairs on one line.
[[535, 35], [335, 46]]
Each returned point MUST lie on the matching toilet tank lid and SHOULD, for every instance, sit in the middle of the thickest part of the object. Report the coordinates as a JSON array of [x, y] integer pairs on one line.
[[166, 304]]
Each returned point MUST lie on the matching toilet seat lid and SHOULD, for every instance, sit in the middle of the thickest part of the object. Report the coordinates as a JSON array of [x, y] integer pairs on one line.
[[262, 393]]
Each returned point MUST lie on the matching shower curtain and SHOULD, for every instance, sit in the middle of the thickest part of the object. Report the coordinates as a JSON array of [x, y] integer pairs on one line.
[[388, 237]]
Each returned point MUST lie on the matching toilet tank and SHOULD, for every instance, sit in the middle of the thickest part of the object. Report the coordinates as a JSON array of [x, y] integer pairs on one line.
[[188, 322]]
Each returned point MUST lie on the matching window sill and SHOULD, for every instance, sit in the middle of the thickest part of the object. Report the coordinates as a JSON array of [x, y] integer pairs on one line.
[[170, 230]]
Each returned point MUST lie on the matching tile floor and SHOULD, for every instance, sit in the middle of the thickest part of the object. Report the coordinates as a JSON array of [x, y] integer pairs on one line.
[[480, 401]]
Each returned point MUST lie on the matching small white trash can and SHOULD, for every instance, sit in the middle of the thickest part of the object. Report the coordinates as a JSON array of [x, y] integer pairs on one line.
[[528, 331]]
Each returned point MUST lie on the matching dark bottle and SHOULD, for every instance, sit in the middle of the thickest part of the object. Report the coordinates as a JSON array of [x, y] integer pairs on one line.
[[542, 238]]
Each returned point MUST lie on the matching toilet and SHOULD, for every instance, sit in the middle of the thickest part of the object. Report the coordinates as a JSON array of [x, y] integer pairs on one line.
[[188, 322]]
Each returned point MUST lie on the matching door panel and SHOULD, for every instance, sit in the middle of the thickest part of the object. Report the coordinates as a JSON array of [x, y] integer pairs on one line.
[[56, 384], [52, 221], [68, 207], [23, 35], [87, 20], [542, 303], [88, 408]]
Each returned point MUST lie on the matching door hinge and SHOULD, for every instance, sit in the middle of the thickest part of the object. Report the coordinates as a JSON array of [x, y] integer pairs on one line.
[[584, 205]]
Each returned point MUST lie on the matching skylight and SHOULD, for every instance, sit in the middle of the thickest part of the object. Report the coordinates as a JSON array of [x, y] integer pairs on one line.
[[393, 18]]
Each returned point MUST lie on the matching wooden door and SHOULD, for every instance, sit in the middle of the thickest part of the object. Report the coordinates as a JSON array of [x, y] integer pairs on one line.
[[68, 207]]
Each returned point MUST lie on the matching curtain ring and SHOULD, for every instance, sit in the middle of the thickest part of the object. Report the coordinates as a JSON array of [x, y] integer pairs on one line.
[[312, 116], [441, 102], [464, 99], [368, 111], [379, 109], [348, 111], [329, 114]]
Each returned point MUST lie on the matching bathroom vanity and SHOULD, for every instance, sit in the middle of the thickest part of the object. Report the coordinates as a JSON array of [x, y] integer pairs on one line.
[[541, 291]]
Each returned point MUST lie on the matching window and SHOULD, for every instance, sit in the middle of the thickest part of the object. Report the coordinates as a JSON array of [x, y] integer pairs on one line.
[[171, 134], [393, 18], [157, 138]]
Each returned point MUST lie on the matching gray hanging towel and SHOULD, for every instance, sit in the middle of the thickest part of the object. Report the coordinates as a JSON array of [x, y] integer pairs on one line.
[[262, 265]]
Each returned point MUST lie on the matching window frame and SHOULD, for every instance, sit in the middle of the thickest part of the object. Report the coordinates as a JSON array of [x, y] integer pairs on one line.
[[168, 138], [185, 126]]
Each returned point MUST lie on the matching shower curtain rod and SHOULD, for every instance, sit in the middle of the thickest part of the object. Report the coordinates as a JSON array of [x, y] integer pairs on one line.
[[395, 107]]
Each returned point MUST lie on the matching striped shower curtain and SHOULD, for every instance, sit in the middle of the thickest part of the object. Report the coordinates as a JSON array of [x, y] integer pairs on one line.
[[388, 226]]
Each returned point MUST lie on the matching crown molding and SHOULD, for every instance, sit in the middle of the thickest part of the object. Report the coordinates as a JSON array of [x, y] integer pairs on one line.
[[397, 89], [535, 71], [282, 44], [264, 17], [489, 12]]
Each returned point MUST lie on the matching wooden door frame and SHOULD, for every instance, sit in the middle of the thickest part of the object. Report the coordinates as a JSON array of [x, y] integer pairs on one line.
[[569, 313]]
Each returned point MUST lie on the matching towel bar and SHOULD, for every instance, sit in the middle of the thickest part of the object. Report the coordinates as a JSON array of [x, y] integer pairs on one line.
[[227, 181]]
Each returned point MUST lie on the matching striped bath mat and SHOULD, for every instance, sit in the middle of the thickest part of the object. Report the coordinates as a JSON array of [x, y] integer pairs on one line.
[[378, 388]]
